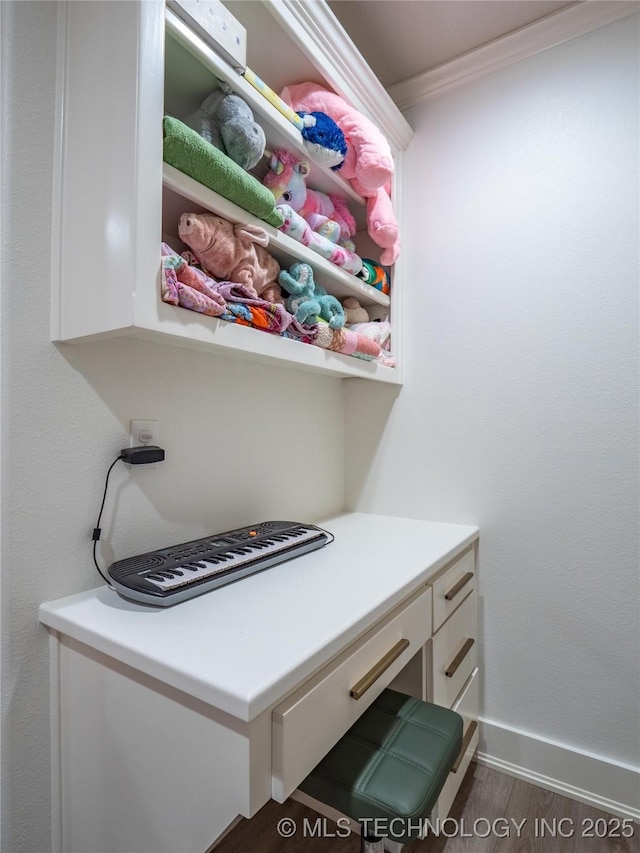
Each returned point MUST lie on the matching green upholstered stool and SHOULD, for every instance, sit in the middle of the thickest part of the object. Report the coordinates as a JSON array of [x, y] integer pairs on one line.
[[388, 770]]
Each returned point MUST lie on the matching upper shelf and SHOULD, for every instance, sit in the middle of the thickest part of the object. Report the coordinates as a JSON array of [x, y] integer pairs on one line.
[[195, 78]]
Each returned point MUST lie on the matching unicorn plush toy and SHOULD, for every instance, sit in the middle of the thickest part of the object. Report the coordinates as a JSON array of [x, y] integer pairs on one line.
[[326, 214]]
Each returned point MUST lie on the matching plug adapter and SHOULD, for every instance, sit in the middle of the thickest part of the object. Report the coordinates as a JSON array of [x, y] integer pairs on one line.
[[143, 455]]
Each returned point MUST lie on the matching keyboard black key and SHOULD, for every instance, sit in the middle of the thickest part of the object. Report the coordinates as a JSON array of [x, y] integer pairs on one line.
[[182, 571]]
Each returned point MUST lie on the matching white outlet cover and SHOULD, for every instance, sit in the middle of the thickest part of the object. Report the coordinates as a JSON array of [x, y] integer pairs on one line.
[[143, 432]]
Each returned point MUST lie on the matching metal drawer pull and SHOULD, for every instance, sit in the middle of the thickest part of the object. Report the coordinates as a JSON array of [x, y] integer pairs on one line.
[[466, 740], [376, 671], [455, 663], [455, 589]]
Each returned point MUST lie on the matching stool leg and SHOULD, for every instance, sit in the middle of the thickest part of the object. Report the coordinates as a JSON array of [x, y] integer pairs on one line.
[[371, 844]]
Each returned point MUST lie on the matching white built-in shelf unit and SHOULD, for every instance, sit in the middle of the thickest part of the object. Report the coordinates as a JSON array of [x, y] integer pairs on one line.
[[115, 200]]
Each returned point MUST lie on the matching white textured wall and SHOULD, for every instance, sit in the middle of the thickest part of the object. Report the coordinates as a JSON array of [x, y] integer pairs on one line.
[[243, 442], [520, 408]]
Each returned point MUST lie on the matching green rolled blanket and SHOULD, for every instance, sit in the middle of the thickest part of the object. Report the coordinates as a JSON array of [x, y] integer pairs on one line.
[[188, 152]]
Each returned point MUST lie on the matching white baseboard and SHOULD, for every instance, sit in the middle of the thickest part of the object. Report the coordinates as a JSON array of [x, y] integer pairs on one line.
[[612, 786]]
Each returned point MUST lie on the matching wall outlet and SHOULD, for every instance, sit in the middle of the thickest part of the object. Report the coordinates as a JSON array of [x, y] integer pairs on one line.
[[143, 432]]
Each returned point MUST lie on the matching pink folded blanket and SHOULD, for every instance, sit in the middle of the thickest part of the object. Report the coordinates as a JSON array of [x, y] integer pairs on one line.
[[185, 284], [380, 332], [251, 310], [346, 342], [188, 286]]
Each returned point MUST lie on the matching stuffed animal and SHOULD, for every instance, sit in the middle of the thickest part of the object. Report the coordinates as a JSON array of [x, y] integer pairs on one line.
[[308, 302], [299, 229], [368, 163], [375, 275], [226, 121], [353, 311], [326, 214], [382, 224], [232, 252], [323, 140], [369, 157]]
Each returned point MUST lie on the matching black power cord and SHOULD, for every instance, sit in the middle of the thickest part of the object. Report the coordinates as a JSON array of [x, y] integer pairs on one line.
[[143, 455], [96, 530]]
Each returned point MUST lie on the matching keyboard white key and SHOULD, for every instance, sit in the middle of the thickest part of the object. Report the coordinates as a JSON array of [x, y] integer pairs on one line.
[[168, 579], [192, 568]]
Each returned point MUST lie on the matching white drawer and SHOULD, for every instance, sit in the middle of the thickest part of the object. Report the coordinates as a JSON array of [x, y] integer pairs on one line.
[[452, 587], [310, 721], [468, 706], [454, 653]]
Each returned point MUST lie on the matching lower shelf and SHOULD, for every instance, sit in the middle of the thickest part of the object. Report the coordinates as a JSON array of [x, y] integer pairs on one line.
[[179, 189], [189, 328], [179, 327]]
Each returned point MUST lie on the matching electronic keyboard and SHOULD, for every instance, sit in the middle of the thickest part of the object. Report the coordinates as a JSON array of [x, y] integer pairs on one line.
[[174, 574]]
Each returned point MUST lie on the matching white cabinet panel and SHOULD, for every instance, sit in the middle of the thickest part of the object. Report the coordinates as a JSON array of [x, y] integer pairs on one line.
[[454, 653]]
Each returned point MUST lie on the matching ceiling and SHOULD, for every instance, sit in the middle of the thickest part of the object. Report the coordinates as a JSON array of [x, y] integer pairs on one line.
[[402, 38]]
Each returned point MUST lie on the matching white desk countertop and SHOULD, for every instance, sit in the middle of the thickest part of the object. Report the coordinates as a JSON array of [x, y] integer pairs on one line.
[[242, 646]]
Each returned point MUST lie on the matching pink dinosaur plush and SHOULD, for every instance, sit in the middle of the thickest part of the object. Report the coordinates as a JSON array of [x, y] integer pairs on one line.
[[368, 164], [382, 224], [369, 157], [232, 252]]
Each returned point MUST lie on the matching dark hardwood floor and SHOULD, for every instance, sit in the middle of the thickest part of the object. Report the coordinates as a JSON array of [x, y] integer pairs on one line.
[[493, 813]]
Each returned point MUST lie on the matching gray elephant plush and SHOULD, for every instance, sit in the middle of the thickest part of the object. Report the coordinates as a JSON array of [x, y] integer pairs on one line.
[[226, 121]]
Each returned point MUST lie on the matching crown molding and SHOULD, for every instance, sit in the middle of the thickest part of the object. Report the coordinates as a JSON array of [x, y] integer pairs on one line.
[[559, 27], [341, 64]]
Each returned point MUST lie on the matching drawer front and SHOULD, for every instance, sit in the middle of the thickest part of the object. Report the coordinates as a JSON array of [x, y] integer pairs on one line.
[[452, 587], [454, 653], [307, 724], [468, 706]]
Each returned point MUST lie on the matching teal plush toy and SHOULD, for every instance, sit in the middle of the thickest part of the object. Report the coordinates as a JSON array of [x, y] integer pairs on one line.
[[308, 302], [226, 121]]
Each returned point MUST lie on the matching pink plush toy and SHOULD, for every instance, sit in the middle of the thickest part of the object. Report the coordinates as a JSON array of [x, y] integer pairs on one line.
[[368, 164], [382, 224], [326, 214], [369, 157], [232, 252]]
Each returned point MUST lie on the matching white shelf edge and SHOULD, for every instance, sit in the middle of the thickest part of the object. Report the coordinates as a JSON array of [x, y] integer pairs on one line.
[[287, 135], [180, 327], [333, 278], [199, 331]]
